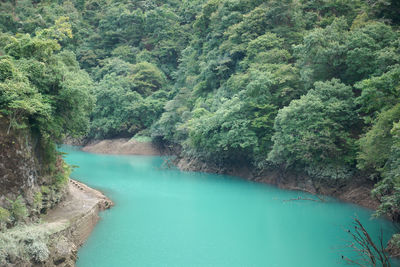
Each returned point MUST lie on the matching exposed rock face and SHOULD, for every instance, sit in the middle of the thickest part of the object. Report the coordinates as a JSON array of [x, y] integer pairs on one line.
[[63, 230], [72, 209], [357, 191], [80, 210], [122, 146], [19, 168]]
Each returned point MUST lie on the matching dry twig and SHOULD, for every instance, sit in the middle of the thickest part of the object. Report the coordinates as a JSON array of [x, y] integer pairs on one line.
[[369, 253]]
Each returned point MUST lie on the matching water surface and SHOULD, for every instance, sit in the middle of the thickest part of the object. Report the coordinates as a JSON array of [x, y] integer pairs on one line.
[[165, 217]]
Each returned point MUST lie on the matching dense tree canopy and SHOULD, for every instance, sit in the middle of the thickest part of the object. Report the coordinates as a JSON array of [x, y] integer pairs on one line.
[[314, 131], [42, 87]]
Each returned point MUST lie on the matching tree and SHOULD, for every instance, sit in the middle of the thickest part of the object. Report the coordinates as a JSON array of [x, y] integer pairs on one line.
[[378, 94], [121, 110], [313, 132], [44, 89], [321, 54], [222, 135], [371, 49], [147, 78], [111, 116], [388, 190], [376, 144]]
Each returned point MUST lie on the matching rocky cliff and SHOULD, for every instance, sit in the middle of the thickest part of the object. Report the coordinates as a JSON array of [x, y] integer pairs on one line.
[[44, 216], [19, 167]]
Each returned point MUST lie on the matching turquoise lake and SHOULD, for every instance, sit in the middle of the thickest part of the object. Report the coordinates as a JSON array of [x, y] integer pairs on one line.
[[166, 217]]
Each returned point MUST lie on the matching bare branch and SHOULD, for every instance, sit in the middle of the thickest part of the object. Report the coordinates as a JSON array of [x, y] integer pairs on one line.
[[365, 247], [302, 198]]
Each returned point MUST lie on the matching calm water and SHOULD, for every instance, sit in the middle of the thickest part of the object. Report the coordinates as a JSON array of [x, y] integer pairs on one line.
[[165, 217]]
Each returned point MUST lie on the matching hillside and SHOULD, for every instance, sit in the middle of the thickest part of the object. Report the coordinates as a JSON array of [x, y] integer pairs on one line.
[[292, 86]]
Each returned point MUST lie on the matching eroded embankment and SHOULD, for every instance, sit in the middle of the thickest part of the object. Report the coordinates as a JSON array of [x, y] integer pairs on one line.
[[122, 146], [357, 191], [55, 241]]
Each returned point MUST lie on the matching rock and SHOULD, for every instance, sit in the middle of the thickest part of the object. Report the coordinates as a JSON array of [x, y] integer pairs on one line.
[[64, 229]]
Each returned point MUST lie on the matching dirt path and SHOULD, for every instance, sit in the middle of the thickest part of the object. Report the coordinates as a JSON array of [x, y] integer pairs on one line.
[[59, 234], [80, 200]]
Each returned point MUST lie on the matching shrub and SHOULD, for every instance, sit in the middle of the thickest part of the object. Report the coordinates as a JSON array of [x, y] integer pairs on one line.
[[313, 132], [395, 241], [45, 190], [37, 250], [4, 218], [18, 209], [141, 138], [38, 201], [27, 243]]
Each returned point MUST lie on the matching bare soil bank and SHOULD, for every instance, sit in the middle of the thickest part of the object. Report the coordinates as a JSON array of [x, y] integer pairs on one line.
[[122, 146], [358, 191]]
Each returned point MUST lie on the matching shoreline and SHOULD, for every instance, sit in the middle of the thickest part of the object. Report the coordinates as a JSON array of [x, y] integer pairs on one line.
[[55, 240], [80, 214], [121, 146], [358, 191]]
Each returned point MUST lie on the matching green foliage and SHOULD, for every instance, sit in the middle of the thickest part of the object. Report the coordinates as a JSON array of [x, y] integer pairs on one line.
[[28, 243], [380, 146], [320, 53], [44, 88], [313, 132], [61, 178], [311, 85], [379, 93], [385, 9], [6, 69], [37, 201], [388, 190], [141, 138], [263, 43], [224, 133], [4, 218], [113, 98], [375, 145], [19, 100], [24, 46], [170, 125], [18, 210], [120, 109], [336, 52], [147, 78], [45, 190], [371, 49]]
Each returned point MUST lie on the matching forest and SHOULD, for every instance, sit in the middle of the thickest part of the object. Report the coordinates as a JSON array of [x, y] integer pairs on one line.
[[310, 86]]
